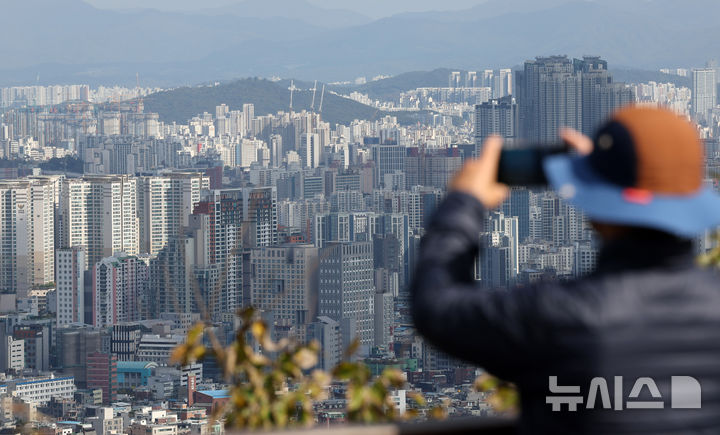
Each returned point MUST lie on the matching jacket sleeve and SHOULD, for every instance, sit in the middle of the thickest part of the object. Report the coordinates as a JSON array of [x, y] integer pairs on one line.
[[486, 327]]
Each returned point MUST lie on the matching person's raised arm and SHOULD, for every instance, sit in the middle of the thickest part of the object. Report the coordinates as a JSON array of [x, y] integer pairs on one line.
[[488, 327]]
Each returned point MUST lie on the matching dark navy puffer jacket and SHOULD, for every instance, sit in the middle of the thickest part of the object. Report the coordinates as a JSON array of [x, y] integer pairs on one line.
[[637, 342]]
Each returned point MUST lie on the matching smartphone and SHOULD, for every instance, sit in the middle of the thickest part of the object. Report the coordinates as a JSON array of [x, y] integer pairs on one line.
[[524, 166]]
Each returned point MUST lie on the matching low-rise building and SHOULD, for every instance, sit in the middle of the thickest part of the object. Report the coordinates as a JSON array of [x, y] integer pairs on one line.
[[40, 390]]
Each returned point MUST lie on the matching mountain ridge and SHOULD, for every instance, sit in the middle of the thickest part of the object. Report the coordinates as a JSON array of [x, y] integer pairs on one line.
[[171, 48], [181, 104]]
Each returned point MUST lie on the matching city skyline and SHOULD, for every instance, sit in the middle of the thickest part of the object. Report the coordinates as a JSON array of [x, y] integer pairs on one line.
[[179, 177]]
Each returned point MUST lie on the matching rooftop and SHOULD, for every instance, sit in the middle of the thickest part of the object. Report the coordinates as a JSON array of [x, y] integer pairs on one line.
[[216, 394]]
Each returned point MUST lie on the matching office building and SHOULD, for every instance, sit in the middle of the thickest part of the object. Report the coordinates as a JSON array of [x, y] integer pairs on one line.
[[158, 348], [388, 158], [284, 280], [36, 343], [102, 374], [73, 345], [328, 333], [124, 340], [12, 354], [429, 168], [343, 227], [347, 287]]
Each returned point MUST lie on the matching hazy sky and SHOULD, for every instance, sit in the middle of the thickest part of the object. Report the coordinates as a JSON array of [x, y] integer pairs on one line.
[[371, 8], [383, 8]]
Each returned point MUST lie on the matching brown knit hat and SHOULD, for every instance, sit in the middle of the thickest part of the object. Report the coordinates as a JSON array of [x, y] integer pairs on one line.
[[646, 169]]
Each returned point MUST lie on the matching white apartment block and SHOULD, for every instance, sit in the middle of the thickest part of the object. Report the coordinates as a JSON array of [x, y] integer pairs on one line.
[[99, 214], [164, 205], [27, 234], [70, 285]]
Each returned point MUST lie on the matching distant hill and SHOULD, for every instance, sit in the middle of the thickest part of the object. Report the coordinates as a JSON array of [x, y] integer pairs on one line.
[[390, 88], [642, 76], [181, 104]]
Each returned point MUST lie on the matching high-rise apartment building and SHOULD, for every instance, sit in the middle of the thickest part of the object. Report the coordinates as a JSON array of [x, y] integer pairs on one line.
[[347, 289], [99, 214], [310, 150], [496, 117], [180, 276], [471, 79], [704, 93], [555, 92], [220, 217], [27, 234], [550, 97], [70, 285], [454, 79], [502, 83], [600, 96], [119, 290], [259, 208], [165, 203]]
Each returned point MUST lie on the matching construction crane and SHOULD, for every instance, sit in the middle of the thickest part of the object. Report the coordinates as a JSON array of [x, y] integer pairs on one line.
[[312, 105], [322, 97], [139, 107], [292, 89]]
